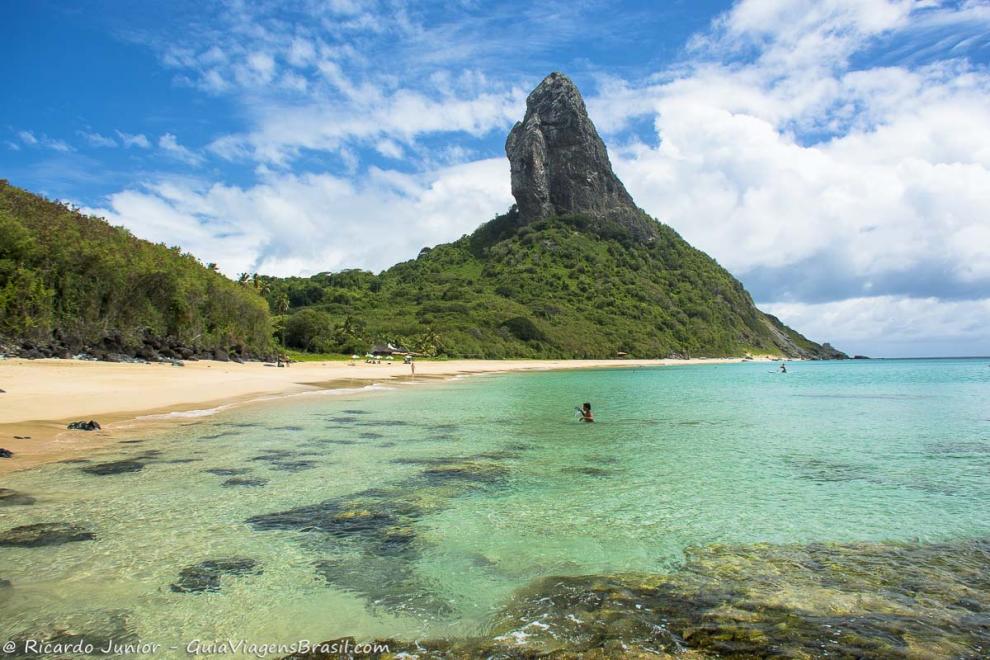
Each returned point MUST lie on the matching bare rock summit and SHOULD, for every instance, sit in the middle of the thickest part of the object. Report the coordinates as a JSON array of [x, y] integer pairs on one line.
[[560, 166]]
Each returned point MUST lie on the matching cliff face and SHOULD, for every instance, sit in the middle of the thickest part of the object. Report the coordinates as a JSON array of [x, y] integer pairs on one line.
[[560, 166]]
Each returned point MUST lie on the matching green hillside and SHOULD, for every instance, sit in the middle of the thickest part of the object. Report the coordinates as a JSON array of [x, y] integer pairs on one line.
[[70, 283], [562, 287]]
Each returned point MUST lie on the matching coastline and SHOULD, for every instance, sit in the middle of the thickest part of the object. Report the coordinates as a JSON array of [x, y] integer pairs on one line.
[[42, 396]]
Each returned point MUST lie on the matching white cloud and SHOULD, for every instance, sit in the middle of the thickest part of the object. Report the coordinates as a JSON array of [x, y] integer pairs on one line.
[[283, 130], [291, 224], [97, 140], [894, 326], [170, 145], [890, 194], [389, 149], [138, 140], [32, 140]]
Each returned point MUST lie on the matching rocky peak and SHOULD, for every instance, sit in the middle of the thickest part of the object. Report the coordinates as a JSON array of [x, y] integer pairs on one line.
[[559, 163]]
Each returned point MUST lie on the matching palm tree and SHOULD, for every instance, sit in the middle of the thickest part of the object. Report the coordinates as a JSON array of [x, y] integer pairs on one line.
[[281, 306]]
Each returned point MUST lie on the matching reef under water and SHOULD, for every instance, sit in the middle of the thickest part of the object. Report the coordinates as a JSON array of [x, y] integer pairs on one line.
[[888, 600]]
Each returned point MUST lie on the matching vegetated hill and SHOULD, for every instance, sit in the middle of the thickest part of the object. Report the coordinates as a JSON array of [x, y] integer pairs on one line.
[[575, 269], [71, 283], [562, 287]]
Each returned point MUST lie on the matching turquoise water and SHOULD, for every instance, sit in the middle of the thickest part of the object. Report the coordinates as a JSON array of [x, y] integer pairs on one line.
[[418, 510]]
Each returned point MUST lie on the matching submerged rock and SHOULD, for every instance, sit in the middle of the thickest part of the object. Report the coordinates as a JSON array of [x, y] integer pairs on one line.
[[102, 629], [222, 434], [386, 584], [467, 471], [42, 534], [846, 601], [10, 497], [591, 471], [227, 472], [114, 467], [6, 453], [244, 481], [205, 576], [292, 466]]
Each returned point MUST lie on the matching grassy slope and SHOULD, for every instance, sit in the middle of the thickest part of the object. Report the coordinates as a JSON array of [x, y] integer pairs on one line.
[[78, 278], [555, 288]]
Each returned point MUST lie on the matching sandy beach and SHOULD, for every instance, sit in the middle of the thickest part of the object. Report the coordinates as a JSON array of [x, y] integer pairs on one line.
[[42, 396]]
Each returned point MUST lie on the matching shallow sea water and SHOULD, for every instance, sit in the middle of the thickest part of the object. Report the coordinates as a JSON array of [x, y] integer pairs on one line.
[[424, 510]]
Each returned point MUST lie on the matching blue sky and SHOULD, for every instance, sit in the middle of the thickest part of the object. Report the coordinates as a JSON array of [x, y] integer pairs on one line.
[[833, 154]]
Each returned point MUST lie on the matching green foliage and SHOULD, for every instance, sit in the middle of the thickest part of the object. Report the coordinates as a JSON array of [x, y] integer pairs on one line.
[[310, 330], [565, 287], [558, 288], [66, 273], [523, 328]]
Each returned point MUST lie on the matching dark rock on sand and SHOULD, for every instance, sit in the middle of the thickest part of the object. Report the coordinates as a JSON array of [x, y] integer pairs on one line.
[[91, 425], [6, 453], [114, 467], [205, 576], [41, 534], [10, 497]]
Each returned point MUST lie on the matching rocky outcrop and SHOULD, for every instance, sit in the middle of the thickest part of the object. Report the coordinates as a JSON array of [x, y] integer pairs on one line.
[[559, 164], [91, 425]]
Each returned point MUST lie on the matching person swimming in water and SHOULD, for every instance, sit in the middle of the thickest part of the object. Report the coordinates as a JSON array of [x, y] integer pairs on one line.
[[586, 415], [783, 368]]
